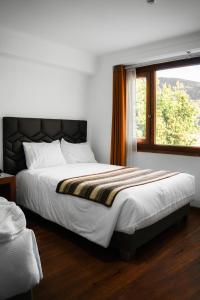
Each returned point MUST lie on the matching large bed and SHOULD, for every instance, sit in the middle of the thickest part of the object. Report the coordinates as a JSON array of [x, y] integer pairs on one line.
[[138, 213]]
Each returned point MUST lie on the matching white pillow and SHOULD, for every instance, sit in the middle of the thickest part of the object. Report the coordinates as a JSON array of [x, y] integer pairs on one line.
[[77, 153], [43, 155]]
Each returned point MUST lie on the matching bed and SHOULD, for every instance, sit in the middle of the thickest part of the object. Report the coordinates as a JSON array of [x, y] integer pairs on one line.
[[19, 257], [138, 213]]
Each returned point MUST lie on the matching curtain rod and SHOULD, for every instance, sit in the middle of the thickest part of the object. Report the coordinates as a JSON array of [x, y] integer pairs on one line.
[[188, 55]]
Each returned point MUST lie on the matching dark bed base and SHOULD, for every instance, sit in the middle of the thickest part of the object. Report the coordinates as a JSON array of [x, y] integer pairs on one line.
[[25, 296], [128, 243]]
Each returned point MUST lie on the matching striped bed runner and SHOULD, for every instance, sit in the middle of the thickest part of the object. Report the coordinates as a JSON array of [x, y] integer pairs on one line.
[[103, 187]]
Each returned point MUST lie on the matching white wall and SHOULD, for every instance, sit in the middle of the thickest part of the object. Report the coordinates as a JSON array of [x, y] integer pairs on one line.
[[27, 47], [100, 113], [33, 87]]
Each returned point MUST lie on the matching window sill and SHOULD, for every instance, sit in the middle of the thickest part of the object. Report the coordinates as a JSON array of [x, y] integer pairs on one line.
[[174, 150]]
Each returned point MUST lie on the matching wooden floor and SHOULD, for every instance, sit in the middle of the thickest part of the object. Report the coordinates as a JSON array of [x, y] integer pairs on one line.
[[166, 268]]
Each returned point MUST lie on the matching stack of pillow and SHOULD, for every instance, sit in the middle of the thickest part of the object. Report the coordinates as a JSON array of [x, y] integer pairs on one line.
[[56, 153]]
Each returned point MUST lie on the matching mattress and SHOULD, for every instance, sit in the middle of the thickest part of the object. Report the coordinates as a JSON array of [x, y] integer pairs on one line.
[[134, 208]]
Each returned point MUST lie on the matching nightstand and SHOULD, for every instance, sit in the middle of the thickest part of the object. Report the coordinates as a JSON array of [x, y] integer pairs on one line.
[[8, 186]]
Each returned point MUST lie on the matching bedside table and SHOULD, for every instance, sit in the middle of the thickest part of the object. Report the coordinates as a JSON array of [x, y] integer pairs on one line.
[[8, 186]]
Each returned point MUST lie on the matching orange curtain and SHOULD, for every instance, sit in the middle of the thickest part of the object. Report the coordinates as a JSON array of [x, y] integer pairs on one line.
[[118, 137]]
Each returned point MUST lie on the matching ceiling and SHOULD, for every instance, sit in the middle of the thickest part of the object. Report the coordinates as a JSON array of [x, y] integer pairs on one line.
[[101, 26]]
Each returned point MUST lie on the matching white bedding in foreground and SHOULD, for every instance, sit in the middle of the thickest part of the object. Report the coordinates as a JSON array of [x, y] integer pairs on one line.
[[20, 267], [133, 208]]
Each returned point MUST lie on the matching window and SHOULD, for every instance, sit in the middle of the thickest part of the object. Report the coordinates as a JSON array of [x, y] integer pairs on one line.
[[168, 107]]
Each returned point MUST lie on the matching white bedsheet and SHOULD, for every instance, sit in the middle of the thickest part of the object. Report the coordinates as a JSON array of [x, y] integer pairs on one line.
[[20, 267], [133, 208]]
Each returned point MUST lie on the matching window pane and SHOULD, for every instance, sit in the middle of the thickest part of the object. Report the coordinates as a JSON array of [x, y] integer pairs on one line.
[[178, 106], [141, 107]]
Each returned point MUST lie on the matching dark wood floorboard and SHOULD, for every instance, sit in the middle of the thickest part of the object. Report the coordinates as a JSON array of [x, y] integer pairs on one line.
[[168, 267]]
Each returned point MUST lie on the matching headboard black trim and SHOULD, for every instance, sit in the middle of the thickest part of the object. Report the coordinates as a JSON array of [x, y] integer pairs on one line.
[[18, 130]]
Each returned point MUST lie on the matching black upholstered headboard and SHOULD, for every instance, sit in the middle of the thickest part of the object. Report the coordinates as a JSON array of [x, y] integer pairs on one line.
[[18, 130]]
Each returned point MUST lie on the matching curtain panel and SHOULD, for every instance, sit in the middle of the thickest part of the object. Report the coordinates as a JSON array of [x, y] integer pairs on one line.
[[118, 135], [131, 135]]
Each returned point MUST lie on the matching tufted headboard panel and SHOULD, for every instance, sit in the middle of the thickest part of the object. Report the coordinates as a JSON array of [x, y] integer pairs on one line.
[[18, 130]]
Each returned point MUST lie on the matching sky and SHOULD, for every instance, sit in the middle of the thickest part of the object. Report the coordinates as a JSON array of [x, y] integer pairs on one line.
[[189, 73]]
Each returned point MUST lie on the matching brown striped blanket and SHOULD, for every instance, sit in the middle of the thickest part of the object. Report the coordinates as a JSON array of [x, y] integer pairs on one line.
[[103, 187]]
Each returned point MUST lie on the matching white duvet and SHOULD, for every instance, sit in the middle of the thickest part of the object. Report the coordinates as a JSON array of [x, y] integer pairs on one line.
[[134, 208], [20, 267]]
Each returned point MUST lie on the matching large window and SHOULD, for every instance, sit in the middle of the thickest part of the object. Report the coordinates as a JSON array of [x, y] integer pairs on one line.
[[168, 107]]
